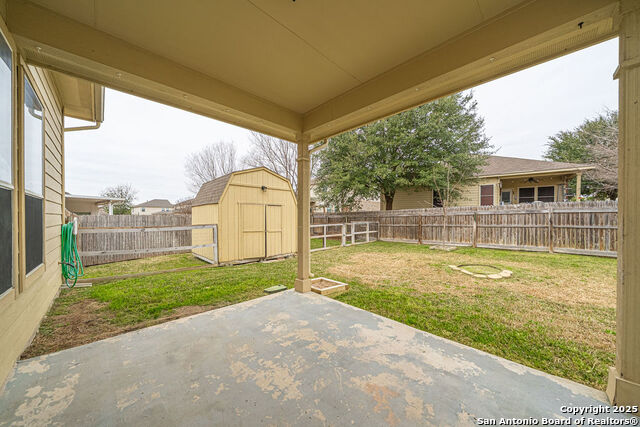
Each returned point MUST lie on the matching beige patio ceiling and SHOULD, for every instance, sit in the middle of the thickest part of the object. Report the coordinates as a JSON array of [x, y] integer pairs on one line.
[[309, 68]]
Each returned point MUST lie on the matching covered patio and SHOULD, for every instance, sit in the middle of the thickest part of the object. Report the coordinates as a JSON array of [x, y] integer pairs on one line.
[[305, 71], [284, 359]]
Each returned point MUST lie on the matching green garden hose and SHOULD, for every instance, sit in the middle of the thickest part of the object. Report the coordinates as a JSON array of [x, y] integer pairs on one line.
[[71, 263]]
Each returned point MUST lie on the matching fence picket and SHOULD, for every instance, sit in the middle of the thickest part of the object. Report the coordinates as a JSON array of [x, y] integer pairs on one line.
[[570, 227]]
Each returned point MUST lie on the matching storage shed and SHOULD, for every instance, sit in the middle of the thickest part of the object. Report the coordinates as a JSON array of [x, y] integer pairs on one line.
[[255, 213]]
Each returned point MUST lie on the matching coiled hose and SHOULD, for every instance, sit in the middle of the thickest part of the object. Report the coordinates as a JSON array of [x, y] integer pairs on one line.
[[71, 263]]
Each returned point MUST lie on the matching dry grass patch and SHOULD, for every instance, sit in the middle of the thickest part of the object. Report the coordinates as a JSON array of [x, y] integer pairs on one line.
[[428, 272]]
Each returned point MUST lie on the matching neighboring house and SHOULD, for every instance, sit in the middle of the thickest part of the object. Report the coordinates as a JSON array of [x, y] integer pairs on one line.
[[151, 207], [183, 207], [89, 205], [318, 205], [504, 180]]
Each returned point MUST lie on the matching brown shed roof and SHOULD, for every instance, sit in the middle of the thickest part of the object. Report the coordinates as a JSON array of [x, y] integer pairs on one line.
[[499, 165], [211, 191]]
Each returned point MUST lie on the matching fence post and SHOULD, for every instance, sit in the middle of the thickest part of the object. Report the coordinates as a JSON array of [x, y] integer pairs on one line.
[[215, 240], [474, 230], [550, 220], [344, 234], [367, 231], [324, 237], [353, 235], [419, 229]]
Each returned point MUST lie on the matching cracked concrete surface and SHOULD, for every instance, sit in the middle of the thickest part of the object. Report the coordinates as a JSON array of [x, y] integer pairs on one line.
[[284, 359]]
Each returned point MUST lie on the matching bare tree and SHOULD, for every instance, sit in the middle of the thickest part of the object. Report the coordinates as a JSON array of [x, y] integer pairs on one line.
[[604, 150], [183, 205], [209, 163], [276, 154]]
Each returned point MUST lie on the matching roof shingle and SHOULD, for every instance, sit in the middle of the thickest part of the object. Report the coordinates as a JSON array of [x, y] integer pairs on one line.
[[499, 165], [211, 191], [155, 203]]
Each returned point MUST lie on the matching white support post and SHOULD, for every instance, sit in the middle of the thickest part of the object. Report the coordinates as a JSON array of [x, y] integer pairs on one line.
[[110, 208], [367, 231], [353, 233], [324, 237], [303, 280], [215, 242], [623, 387], [344, 235]]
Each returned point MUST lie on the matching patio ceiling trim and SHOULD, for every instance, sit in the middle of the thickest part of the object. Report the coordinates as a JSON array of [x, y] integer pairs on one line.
[[53, 41], [531, 34]]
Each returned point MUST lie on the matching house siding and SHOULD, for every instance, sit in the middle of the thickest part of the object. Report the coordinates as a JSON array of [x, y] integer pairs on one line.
[[422, 199], [150, 211], [21, 310], [515, 184]]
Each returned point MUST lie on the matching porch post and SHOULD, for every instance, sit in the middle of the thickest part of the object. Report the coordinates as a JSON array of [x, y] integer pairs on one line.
[[303, 280], [624, 379], [110, 208], [578, 185]]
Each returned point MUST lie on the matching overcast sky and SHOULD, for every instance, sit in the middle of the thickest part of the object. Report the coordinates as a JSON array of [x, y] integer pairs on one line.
[[145, 143]]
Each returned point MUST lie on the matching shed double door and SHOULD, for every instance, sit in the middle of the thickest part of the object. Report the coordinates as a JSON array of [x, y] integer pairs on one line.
[[260, 230]]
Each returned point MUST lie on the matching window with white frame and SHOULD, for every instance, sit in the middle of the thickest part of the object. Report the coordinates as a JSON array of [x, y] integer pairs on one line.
[[6, 166], [33, 177]]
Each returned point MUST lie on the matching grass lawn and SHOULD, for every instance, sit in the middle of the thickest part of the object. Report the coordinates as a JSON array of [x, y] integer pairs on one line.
[[158, 263], [556, 313], [331, 242]]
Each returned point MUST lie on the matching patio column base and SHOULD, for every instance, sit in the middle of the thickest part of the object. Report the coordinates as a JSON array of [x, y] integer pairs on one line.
[[303, 285], [621, 391]]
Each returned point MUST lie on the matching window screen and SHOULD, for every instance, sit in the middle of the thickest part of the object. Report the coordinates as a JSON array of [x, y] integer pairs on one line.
[[506, 197], [525, 195], [546, 194], [32, 141], [33, 172], [437, 201], [6, 249], [6, 173], [5, 112], [33, 232], [486, 195]]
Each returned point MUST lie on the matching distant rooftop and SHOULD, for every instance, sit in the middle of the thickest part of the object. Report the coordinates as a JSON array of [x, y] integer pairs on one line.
[[155, 203], [499, 166]]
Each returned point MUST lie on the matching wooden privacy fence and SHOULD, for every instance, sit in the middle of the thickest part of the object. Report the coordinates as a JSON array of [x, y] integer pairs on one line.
[[103, 239], [345, 234], [588, 228]]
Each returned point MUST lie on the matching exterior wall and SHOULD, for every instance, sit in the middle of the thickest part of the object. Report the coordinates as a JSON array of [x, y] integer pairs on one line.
[[542, 181], [246, 188], [150, 211], [471, 194], [410, 199], [23, 307], [203, 215]]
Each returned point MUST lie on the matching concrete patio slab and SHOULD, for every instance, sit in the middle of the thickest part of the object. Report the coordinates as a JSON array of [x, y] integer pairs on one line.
[[284, 359]]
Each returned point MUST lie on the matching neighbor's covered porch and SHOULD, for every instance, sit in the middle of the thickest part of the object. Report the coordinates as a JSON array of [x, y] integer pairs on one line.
[[317, 86], [285, 359]]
